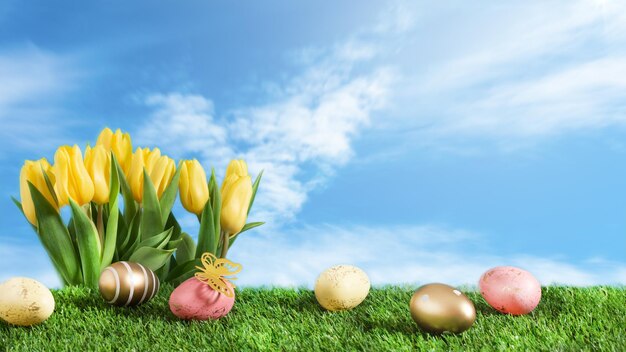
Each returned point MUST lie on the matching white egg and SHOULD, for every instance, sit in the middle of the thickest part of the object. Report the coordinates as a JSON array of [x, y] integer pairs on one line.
[[342, 287], [25, 301]]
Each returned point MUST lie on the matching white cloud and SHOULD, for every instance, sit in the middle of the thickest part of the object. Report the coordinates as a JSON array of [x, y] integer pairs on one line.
[[30, 78], [524, 72], [396, 255], [526, 32], [311, 120], [587, 95], [185, 124]]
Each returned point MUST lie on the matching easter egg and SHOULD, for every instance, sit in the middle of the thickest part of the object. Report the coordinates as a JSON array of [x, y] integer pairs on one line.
[[438, 308], [510, 290], [25, 301], [128, 284], [341, 287], [195, 300]]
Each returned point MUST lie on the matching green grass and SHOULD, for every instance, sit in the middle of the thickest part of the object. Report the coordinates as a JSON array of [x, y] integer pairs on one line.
[[284, 319]]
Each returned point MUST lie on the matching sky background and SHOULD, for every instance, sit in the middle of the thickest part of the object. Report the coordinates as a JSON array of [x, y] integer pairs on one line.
[[420, 141]]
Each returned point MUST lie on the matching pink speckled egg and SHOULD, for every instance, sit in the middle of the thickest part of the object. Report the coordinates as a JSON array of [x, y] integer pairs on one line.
[[195, 300], [510, 290]]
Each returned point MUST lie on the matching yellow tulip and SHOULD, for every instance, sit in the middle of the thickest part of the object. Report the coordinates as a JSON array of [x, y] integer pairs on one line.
[[33, 172], [120, 144], [236, 193], [194, 190], [161, 170], [98, 164], [72, 178], [237, 167]]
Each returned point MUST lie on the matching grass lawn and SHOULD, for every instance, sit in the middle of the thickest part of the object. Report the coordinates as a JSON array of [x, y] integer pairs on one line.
[[285, 319]]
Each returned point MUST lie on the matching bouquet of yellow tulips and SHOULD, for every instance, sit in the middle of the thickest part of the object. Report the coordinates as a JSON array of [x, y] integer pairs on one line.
[[139, 226]]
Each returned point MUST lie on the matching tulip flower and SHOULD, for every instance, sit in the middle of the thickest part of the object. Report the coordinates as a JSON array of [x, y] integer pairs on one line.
[[194, 190], [120, 144], [236, 193], [72, 179], [33, 172], [237, 167], [98, 164], [160, 168]]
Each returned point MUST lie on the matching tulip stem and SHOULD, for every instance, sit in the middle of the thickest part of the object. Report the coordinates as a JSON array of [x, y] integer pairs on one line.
[[225, 241], [87, 210], [100, 222]]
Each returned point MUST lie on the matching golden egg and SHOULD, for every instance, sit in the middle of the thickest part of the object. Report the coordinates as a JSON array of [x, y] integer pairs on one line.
[[437, 308], [341, 287], [128, 284]]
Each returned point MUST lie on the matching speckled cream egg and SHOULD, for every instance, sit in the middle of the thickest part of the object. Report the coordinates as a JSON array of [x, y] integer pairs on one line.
[[510, 290], [25, 301], [341, 287]]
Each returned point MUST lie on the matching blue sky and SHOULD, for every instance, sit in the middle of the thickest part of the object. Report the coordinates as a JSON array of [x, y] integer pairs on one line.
[[420, 141]]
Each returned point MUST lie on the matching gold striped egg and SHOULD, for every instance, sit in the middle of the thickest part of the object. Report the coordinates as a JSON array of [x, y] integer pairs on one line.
[[128, 284]]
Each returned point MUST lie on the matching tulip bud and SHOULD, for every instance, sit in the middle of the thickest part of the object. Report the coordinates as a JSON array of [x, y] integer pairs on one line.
[[120, 144], [161, 170], [98, 164], [194, 190], [236, 193], [33, 172], [237, 167], [72, 179]]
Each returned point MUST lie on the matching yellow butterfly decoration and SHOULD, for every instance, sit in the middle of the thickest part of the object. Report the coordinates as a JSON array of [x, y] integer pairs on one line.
[[217, 273]]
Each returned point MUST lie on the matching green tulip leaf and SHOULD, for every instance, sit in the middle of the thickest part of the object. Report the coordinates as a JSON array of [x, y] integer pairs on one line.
[[55, 238], [114, 183], [173, 244], [250, 226], [19, 206], [172, 222], [157, 241], [132, 239], [162, 272], [216, 205], [151, 258], [169, 195], [122, 230], [126, 236], [247, 227], [183, 269], [72, 231], [110, 236], [151, 221], [206, 237], [130, 206], [50, 186], [186, 250], [255, 186], [93, 213], [88, 245]]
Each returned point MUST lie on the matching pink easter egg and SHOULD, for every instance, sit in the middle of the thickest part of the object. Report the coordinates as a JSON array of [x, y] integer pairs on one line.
[[510, 290], [195, 300]]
